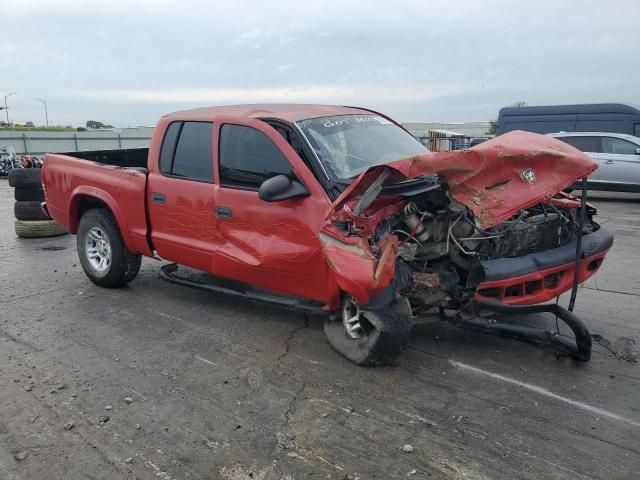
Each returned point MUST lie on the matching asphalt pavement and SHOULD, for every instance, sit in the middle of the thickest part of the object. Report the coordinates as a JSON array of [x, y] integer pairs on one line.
[[157, 380]]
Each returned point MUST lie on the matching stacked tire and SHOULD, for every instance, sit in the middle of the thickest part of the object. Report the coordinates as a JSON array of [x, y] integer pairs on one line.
[[31, 221]]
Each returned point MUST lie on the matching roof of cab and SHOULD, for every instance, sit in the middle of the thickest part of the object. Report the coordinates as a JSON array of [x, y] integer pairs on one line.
[[289, 112]]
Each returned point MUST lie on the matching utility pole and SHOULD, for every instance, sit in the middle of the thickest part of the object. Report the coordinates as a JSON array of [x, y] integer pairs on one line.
[[46, 114], [6, 108]]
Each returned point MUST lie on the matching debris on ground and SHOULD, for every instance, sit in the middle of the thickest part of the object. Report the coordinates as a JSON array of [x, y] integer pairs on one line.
[[622, 347], [128, 460], [21, 455], [69, 425], [407, 448], [108, 407], [128, 399]]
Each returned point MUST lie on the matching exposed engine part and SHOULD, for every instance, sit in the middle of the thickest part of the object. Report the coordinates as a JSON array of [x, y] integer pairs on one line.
[[456, 206], [440, 237], [415, 225]]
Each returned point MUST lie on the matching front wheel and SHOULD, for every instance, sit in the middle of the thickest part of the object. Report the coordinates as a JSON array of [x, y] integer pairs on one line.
[[103, 255], [370, 337]]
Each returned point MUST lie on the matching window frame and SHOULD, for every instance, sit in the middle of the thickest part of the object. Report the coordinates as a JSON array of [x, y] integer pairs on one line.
[[636, 146], [219, 158], [597, 139], [175, 148]]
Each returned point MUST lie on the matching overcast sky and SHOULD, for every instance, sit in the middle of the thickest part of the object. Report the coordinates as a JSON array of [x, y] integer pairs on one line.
[[128, 62]]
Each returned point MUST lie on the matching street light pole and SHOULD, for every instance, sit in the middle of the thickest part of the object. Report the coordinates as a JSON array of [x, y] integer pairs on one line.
[[46, 114], [6, 108]]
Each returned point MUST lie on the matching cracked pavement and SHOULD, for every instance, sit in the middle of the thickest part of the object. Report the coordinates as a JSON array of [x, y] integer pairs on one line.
[[224, 388]]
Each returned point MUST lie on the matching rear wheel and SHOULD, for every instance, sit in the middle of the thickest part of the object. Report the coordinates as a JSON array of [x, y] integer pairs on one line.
[[103, 255], [370, 337]]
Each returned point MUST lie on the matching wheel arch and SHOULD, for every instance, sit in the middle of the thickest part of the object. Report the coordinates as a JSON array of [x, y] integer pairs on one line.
[[86, 198]]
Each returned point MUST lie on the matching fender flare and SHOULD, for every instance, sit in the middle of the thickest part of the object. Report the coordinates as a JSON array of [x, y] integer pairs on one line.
[[109, 201]]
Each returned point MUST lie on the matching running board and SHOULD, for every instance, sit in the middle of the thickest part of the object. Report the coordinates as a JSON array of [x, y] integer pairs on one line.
[[239, 289], [580, 350]]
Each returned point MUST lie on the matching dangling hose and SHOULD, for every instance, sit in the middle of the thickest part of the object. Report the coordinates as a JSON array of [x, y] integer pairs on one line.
[[576, 272]]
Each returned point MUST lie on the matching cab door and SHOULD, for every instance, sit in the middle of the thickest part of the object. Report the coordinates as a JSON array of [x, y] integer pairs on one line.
[[274, 245], [619, 163], [180, 196], [590, 145]]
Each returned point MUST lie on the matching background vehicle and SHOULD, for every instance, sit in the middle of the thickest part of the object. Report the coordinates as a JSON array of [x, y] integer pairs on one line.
[[617, 155], [596, 117], [8, 160], [339, 209]]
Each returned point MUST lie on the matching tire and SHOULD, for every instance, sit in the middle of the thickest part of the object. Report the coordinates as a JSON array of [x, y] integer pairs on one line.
[[98, 232], [29, 194], [29, 211], [385, 334], [25, 177], [39, 228]]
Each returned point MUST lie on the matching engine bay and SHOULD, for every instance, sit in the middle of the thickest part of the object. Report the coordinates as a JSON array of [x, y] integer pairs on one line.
[[441, 241]]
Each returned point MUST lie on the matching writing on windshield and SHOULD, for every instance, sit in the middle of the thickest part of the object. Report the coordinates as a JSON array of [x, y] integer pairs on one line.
[[349, 144]]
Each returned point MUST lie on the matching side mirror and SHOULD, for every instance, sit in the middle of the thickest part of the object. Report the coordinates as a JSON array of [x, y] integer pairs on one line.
[[280, 188], [637, 151]]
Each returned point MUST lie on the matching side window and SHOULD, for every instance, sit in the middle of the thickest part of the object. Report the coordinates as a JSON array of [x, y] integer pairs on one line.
[[193, 158], [636, 129], [618, 146], [187, 151], [248, 157], [584, 144], [169, 147]]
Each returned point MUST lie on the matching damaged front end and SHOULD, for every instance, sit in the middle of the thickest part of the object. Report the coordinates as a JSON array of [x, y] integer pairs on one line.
[[451, 229]]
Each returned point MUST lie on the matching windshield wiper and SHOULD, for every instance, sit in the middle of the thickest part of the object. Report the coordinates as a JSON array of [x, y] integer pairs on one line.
[[371, 193]]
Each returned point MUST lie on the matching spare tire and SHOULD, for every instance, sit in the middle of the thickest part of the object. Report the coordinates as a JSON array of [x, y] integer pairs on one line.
[[29, 194], [25, 177], [29, 211], [39, 228]]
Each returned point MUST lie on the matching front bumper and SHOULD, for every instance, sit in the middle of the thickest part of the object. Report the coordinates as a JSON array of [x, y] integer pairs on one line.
[[539, 277]]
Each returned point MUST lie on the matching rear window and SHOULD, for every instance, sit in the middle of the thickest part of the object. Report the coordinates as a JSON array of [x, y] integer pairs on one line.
[[584, 144], [169, 147], [187, 151]]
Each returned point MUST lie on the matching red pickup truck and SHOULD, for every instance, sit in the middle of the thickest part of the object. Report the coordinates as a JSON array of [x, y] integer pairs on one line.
[[340, 209]]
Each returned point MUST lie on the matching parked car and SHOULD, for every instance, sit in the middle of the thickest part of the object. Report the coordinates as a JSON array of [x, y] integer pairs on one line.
[[617, 155], [341, 210], [600, 117]]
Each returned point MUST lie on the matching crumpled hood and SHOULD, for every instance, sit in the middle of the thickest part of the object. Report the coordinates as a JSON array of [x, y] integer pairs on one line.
[[495, 179]]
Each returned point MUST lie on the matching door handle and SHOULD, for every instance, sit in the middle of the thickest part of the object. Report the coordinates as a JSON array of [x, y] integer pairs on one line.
[[223, 212], [609, 162], [159, 198]]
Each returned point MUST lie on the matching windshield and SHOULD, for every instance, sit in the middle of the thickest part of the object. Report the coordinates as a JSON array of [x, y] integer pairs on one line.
[[349, 144]]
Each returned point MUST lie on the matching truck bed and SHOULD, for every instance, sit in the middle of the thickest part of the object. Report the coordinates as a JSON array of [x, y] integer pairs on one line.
[[116, 179], [130, 158]]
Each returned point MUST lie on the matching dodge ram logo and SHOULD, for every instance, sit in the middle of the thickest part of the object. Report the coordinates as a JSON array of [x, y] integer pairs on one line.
[[528, 175]]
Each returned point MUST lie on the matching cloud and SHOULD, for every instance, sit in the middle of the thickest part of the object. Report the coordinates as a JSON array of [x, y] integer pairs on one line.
[[127, 62], [292, 94]]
